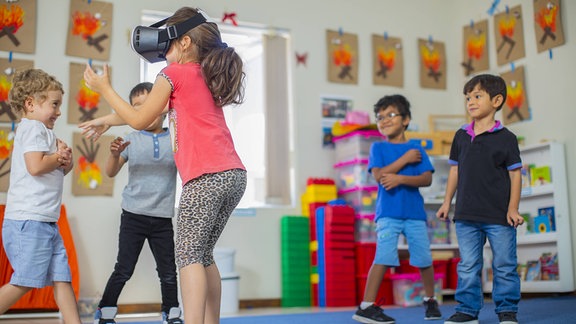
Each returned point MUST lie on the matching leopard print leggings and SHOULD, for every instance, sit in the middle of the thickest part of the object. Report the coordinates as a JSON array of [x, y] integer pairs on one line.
[[205, 206]]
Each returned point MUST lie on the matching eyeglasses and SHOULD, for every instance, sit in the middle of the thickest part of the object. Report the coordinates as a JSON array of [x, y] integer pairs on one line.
[[387, 117]]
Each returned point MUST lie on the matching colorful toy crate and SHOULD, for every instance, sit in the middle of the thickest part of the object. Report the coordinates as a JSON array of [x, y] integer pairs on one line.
[[353, 173], [409, 290], [356, 144], [365, 228], [362, 199], [385, 294]]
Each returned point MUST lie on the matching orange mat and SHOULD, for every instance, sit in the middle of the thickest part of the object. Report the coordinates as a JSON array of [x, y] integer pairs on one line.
[[42, 298]]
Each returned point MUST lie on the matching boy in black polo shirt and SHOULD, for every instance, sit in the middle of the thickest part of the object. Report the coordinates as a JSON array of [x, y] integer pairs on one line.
[[485, 168]]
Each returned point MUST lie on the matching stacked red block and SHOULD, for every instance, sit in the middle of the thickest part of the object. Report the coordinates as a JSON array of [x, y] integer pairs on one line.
[[365, 252]]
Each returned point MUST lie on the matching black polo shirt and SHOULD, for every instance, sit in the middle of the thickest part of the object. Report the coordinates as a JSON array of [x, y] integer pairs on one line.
[[483, 191]]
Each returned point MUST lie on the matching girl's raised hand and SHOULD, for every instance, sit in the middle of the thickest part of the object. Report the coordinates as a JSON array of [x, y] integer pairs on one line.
[[96, 81]]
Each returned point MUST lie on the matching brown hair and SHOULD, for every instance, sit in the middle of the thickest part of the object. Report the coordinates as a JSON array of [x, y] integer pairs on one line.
[[221, 65], [31, 83]]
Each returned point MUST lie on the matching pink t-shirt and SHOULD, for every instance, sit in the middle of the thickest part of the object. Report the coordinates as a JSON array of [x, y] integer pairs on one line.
[[201, 139]]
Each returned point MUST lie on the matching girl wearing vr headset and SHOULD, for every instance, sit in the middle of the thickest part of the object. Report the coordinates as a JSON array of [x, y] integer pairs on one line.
[[202, 76]]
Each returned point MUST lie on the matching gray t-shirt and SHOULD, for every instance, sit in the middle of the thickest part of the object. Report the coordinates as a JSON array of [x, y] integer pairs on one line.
[[151, 188]]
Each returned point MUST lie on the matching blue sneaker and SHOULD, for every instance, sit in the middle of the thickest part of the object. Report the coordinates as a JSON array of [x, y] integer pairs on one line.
[[105, 315], [173, 317]]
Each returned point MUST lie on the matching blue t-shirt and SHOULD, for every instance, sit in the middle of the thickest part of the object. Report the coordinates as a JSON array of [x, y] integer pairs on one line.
[[151, 188], [403, 202]]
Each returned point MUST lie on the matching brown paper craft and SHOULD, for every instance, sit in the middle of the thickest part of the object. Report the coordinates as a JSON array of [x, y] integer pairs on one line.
[[475, 48], [387, 61], [83, 103], [90, 29], [516, 107], [432, 56], [6, 145], [509, 35], [90, 158], [18, 26], [7, 70], [548, 24], [342, 57]]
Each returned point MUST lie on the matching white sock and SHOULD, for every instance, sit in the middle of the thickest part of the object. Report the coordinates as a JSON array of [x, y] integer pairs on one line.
[[426, 298], [365, 304]]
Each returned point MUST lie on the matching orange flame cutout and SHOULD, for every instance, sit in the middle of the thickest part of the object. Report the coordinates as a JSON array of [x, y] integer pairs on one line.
[[86, 98], [506, 26], [342, 56], [546, 17], [431, 58], [515, 95], [90, 175], [85, 24], [475, 46], [13, 17], [5, 145], [387, 57], [5, 86]]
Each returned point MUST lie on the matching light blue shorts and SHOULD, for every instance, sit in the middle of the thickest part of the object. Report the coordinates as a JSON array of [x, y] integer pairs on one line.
[[388, 231], [36, 253]]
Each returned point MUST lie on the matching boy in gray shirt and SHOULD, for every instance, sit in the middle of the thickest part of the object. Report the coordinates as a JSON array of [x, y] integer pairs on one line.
[[147, 211]]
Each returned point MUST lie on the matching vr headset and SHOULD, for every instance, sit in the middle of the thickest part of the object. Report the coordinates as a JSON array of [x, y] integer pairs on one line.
[[152, 42]]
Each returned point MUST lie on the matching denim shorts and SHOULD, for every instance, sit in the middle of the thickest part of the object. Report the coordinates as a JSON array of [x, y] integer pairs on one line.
[[36, 253], [388, 231]]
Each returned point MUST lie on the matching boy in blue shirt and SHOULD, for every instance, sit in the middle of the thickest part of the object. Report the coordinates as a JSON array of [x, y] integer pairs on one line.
[[400, 168], [147, 210], [485, 168]]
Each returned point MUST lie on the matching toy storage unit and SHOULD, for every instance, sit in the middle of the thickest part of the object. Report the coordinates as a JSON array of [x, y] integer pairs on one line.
[[353, 173], [361, 198], [295, 241], [356, 144]]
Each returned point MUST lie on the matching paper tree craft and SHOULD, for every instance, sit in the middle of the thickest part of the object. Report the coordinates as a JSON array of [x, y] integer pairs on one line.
[[509, 35], [342, 57], [548, 24], [83, 103], [90, 29], [7, 70], [432, 56], [18, 26], [89, 158], [516, 107], [6, 145], [388, 61]]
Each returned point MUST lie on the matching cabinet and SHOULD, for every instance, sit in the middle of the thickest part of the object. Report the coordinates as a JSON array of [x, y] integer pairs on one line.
[[537, 195]]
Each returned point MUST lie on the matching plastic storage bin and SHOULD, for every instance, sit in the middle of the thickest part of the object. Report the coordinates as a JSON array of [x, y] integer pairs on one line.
[[353, 173], [362, 199], [409, 290], [356, 145]]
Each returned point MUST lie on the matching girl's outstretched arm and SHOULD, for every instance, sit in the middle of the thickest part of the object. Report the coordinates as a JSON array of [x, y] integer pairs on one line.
[[147, 112]]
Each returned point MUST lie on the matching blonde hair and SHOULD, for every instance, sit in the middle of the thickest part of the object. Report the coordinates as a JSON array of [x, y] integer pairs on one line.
[[31, 83], [222, 67]]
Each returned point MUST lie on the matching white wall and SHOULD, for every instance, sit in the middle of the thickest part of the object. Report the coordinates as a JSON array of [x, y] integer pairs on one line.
[[95, 220]]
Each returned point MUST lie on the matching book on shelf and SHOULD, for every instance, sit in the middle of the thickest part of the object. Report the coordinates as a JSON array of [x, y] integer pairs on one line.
[[540, 176], [533, 270], [549, 266], [548, 212]]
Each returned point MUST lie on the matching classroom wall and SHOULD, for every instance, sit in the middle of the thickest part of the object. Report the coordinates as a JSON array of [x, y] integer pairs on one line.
[[95, 220]]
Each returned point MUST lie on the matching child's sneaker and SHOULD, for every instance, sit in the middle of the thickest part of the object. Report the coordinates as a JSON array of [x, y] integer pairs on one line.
[[459, 318], [173, 317], [432, 311], [372, 314], [105, 315], [507, 318]]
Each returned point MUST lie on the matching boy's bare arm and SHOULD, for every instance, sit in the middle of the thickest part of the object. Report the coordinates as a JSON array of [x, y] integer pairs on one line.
[[451, 185], [513, 216], [39, 163], [411, 156], [391, 180]]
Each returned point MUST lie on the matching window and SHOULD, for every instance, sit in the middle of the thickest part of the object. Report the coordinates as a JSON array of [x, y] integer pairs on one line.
[[260, 127]]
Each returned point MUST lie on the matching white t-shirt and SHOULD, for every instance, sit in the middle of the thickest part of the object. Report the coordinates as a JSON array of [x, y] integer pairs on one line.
[[33, 197]]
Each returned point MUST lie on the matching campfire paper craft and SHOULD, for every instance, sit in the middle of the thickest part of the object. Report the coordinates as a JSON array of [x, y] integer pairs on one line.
[[89, 162], [509, 35], [7, 70], [475, 48], [432, 57], [6, 145], [83, 103], [18, 26], [516, 107], [90, 29], [548, 24], [342, 57], [388, 61]]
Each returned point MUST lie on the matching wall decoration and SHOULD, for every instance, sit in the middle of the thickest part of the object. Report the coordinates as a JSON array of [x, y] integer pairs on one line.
[[18, 26], [475, 47], [301, 58], [90, 29], [387, 61], [516, 107], [83, 103], [432, 55], [230, 17], [548, 24], [89, 163], [509, 35], [334, 109], [342, 57], [6, 145], [7, 70]]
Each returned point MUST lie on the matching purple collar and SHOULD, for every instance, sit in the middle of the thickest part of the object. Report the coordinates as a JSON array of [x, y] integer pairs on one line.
[[469, 128]]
